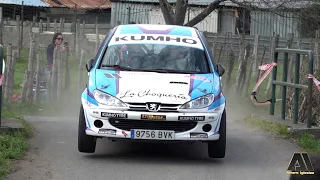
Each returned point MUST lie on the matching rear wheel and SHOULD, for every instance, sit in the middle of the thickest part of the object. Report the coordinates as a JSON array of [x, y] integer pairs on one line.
[[217, 149], [86, 144]]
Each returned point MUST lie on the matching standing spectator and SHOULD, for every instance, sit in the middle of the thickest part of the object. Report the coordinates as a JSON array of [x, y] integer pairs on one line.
[[56, 41]]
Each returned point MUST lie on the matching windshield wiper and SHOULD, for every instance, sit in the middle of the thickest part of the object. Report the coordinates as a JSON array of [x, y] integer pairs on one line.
[[174, 71], [117, 67]]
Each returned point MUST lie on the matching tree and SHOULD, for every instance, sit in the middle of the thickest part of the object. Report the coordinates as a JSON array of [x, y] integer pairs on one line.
[[178, 17]]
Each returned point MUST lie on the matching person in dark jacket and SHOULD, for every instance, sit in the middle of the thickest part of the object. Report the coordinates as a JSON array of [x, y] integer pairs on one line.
[[56, 41]]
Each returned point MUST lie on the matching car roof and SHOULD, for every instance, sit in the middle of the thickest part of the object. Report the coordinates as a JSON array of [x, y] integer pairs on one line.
[[156, 29]]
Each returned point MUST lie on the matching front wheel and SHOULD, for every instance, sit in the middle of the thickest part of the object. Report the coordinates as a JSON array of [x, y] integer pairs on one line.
[[217, 149], [86, 144]]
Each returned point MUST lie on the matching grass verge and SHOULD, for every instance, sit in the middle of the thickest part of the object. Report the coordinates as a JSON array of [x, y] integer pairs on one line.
[[307, 142], [13, 146]]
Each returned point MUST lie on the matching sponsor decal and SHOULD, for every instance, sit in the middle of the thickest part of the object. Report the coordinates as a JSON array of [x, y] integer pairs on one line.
[[199, 78], [107, 131], [204, 91], [124, 133], [88, 103], [191, 118], [95, 112], [114, 115], [153, 117], [211, 117], [161, 38], [149, 93], [119, 39], [105, 86], [113, 76]]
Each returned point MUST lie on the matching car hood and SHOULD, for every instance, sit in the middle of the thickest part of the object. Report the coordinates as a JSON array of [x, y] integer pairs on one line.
[[142, 87]]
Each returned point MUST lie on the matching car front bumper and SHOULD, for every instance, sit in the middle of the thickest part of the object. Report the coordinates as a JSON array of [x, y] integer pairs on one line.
[[115, 124]]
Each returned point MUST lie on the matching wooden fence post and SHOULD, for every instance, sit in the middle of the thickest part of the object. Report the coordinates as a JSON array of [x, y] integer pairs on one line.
[[25, 86], [54, 77], [61, 26], [19, 36], [80, 72], [37, 78], [77, 38], [316, 51], [11, 74], [67, 75], [1, 26], [274, 45], [7, 72], [55, 25], [83, 28], [253, 63], [41, 26], [59, 74], [48, 24], [29, 84], [97, 35]]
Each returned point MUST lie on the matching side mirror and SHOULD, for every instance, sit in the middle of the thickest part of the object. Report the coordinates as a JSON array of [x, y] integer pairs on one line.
[[89, 65], [221, 70]]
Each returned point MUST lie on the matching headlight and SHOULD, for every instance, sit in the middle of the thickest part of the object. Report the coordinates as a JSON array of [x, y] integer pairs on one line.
[[107, 99], [200, 102]]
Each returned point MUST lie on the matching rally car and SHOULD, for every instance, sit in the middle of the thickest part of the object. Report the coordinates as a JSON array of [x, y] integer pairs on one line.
[[155, 83]]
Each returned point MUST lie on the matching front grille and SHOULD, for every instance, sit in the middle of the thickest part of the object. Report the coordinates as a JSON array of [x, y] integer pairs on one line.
[[142, 107], [128, 124]]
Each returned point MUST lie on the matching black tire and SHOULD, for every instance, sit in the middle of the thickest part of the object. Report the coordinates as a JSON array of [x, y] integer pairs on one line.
[[217, 149], [86, 144]]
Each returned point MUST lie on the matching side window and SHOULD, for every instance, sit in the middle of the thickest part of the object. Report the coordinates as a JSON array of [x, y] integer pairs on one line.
[[109, 35], [209, 48]]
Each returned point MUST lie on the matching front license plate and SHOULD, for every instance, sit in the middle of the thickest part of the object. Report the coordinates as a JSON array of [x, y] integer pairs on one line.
[[153, 117], [152, 134]]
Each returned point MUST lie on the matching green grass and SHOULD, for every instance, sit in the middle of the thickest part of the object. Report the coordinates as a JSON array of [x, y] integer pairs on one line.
[[269, 126], [307, 142], [13, 146]]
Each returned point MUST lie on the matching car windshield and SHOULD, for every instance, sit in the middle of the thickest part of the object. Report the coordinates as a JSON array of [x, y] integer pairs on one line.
[[156, 57]]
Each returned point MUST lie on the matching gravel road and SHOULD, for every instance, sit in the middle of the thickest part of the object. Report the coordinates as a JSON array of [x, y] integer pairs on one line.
[[251, 155]]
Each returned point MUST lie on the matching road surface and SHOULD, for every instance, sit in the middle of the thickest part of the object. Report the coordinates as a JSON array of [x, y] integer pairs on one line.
[[251, 155]]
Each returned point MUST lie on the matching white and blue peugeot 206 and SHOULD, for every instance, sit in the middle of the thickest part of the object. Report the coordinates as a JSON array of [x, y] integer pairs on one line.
[[156, 83]]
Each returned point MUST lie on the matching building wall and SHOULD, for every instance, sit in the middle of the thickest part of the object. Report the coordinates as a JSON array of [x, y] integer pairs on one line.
[[210, 23], [123, 13], [267, 23], [151, 14], [227, 21], [104, 15]]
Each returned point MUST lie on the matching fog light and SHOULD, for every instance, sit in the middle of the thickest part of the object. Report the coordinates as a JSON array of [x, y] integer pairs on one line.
[[98, 123], [198, 135], [107, 131], [206, 127]]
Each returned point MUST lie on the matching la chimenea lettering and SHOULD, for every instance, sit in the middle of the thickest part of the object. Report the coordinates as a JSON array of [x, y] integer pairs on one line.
[[149, 93], [156, 38]]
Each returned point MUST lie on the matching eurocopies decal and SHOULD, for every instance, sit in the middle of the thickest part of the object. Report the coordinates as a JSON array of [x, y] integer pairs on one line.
[[144, 93], [156, 39]]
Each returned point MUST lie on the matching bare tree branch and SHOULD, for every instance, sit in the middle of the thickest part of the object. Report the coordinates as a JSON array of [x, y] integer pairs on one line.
[[180, 14], [167, 11], [204, 13]]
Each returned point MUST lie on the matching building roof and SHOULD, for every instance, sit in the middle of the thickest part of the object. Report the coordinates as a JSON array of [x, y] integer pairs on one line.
[[263, 4], [191, 2], [80, 4], [25, 2]]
